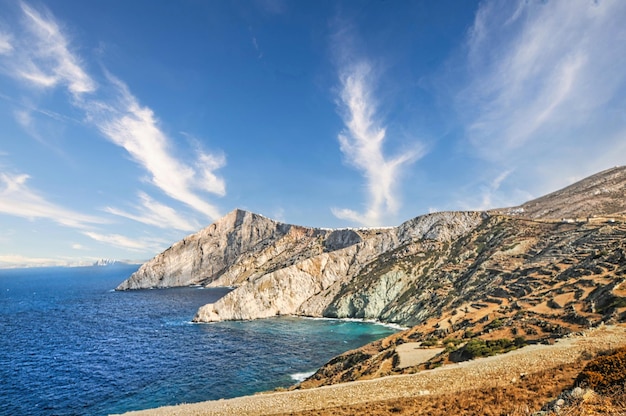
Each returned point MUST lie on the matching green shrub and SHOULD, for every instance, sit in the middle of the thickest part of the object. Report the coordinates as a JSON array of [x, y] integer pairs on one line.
[[519, 341], [453, 341], [429, 342], [478, 347], [496, 323]]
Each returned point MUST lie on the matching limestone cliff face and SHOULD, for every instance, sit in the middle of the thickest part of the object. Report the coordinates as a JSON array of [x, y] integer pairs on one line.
[[237, 248], [310, 286], [203, 256], [281, 269]]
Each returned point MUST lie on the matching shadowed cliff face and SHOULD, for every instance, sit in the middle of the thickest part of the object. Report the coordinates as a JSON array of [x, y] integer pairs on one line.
[[423, 270]]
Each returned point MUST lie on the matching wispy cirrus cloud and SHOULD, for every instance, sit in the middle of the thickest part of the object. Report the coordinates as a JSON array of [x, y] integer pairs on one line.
[[18, 199], [135, 128], [545, 88], [43, 59], [362, 145], [159, 215], [141, 245]]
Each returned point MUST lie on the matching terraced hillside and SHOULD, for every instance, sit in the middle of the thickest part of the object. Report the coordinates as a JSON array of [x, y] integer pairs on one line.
[[511, 279]]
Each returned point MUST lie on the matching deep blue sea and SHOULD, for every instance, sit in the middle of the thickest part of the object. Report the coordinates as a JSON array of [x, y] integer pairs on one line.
[[70, 345]]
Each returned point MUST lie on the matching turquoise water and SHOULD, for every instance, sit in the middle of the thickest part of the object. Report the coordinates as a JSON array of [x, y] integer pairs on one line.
[[70, 345]]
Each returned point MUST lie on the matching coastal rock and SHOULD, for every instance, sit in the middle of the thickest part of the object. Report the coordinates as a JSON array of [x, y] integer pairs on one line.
[[427, 267], [237, 248]]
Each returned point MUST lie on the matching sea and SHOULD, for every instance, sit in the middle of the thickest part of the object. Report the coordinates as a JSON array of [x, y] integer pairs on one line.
[[71, 345]]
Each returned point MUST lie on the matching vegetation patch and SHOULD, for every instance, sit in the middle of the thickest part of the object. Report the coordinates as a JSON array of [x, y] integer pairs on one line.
[[430, 342], [605, 373], [478, 347], [495, 324]]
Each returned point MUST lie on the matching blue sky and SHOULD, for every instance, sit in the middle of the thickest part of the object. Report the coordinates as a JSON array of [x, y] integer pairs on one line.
[[127, 125]]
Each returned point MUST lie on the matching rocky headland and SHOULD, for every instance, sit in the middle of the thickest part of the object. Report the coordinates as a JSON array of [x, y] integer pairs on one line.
[[465, 284]]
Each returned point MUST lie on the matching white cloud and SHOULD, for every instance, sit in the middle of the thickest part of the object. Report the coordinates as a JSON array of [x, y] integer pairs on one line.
[[12, 261], [538, 68], [490, 195], [258, 50], [17, 199], [17, 260], [362, 144], [145, 245], [135, 128], [490, 192], [157, 214], [43, 59], [279, 214], [24, 118], [545, 92]]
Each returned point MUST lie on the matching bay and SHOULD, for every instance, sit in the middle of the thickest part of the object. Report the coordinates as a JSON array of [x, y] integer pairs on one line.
[[70, 345]]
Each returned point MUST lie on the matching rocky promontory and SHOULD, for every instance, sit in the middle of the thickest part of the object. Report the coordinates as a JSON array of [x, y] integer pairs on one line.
[[560, 256]]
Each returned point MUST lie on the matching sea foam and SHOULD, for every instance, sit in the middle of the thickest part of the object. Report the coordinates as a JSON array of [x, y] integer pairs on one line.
[[300, 377]]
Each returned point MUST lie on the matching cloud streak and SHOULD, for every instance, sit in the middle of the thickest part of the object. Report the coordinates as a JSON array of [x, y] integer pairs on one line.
[[18, 199], [541, 95], [142, 245], [5, 44], [362, 141], [43, 59], [135, 128], [545, 79], [156, 214]]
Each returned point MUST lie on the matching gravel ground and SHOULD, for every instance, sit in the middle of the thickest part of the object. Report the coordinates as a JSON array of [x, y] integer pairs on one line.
[[485, 372], [412, 354]]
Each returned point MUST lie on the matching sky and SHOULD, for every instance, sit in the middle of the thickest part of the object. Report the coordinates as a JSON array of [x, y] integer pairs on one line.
[[127, 125]]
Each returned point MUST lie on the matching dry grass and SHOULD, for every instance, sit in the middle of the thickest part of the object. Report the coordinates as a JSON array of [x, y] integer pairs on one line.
[[606, 373], [613, 404], [521, 398]]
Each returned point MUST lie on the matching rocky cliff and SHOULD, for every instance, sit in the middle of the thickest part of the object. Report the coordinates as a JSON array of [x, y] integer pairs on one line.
[[238, 248], [508, 280], [311, 284], [427, 267], [552, 266]]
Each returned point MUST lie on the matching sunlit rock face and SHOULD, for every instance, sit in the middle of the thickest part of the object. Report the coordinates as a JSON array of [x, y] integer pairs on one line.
[[404, 274]]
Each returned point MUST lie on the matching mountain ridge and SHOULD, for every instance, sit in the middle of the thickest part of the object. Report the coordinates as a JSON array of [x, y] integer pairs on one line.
[[599, 194], [370, 273]]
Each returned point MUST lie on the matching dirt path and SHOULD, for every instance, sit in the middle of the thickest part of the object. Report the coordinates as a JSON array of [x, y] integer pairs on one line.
[[481, 373], [412, 354]]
